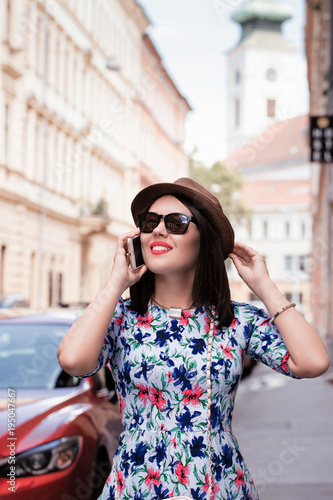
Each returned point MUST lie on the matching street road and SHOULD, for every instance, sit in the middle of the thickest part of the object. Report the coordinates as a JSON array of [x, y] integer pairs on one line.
[[285, 431]]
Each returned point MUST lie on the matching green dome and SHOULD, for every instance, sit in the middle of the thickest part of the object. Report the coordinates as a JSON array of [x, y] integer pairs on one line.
[[268, 10]]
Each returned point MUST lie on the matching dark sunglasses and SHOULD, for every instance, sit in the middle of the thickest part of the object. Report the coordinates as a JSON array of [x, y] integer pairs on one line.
[[174, 223]]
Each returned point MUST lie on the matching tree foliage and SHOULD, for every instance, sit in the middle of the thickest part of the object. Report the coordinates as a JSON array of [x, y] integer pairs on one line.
[[224, 183]]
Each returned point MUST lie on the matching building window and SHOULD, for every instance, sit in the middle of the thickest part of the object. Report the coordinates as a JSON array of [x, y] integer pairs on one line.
[[295, 297], [237, 76], [50, 288], [2, 269], [6, 135], [303, 229], [271, 108], [288, 262], [265, 228], [271, 74], [296, 263], [60, 283], [237, 112], [287, 229]]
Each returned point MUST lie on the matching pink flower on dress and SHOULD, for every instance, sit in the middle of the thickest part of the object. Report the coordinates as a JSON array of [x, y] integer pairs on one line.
[[234, 323], [239, 481], [173, 441], [182, 473], [153, 478], [156, 398], [227, 351], [145, 320], [118, 320], [207, 326], [184, 318], [144, 393], [122, 405], [170, 377], [284, 362], [192, 396], [206, 486], [120, 482]]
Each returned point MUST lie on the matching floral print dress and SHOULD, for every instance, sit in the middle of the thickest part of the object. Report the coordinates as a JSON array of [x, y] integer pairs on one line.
[[159, 366]]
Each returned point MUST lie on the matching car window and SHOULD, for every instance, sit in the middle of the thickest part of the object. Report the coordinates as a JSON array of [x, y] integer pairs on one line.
[[28, 355]]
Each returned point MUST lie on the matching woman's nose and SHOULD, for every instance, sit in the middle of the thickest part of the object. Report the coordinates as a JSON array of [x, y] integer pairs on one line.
[[160, 228]]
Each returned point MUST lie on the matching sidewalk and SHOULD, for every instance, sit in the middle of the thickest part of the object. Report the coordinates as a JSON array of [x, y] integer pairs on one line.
[[285, 431]]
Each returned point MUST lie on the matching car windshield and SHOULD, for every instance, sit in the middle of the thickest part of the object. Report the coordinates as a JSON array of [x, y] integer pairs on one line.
[[28, 355]]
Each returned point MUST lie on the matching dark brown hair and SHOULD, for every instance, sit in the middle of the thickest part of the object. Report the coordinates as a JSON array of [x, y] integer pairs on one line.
[[211, 284]]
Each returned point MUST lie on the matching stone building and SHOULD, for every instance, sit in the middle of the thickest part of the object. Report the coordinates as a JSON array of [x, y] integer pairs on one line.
[[88, 116], [277, 190], [319, 53]]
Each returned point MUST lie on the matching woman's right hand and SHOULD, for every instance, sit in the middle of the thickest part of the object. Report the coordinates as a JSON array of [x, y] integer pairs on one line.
[[122, 275]]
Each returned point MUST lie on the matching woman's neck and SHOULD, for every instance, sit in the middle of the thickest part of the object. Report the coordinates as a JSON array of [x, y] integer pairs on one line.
[[173, 292]]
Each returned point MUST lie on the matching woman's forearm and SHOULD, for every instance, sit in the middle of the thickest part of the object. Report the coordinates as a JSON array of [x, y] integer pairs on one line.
[[308, 354]]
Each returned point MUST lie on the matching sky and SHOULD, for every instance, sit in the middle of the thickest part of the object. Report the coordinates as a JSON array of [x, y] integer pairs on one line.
[[193, 37]]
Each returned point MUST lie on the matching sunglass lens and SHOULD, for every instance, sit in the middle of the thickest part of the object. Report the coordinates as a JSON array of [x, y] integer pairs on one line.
[[148, 222], [175, 224]]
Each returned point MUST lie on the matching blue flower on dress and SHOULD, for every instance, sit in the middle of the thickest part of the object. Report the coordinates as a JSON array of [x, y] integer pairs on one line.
[[162, 337], [176, 329], [198, 494], [145, 368], [185, 419], [246, 493], [233, 341], [124, 378], [266, 340], [226, 456], [136, 419], [234, 384], [160, 493], [137, 496], [215, 366], [125, 464], [227, 366], [248, 330], [139, 337], [198, 346], [160, 454], [165, 357], [217, 467], [182, 377], [197, 447], [215, 416], [126, 346], [138, 456]]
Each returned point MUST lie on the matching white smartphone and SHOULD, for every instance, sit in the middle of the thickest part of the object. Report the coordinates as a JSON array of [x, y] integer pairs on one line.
[[134, 247]]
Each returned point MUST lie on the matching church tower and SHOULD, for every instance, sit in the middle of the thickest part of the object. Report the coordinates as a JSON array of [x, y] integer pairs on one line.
[[266, 76]]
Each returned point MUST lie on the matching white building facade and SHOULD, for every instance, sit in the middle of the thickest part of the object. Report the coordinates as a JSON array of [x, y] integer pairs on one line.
[[277, 191], [75, 105]]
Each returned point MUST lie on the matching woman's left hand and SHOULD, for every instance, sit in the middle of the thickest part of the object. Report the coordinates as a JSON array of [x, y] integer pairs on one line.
[[250, 266]]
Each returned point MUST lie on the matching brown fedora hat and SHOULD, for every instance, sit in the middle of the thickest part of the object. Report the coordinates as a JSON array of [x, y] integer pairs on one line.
[[201, 198]]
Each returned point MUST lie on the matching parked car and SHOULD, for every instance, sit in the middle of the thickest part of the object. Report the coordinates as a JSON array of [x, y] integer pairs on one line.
[[58, 433], [13, 300]]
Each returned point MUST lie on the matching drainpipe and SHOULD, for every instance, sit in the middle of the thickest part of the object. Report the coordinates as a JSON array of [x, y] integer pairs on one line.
[[329, 199]]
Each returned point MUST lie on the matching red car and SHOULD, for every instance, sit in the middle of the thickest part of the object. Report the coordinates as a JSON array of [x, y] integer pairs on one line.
[[58, 433]]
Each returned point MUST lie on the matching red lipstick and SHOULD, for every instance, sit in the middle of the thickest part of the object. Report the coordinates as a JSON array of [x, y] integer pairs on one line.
[[160, 247]]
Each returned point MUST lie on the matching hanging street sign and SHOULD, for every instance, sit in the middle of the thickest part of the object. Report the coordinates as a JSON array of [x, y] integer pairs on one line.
[[321, 138]]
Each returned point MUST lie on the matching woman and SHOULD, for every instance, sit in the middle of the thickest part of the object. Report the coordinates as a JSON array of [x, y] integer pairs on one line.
[[156, 343]]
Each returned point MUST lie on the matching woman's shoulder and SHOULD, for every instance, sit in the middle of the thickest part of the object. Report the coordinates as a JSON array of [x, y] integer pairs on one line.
[[246, 311]]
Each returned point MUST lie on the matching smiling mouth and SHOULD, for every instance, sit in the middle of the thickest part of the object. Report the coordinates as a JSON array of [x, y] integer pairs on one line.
[[159, 249]]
